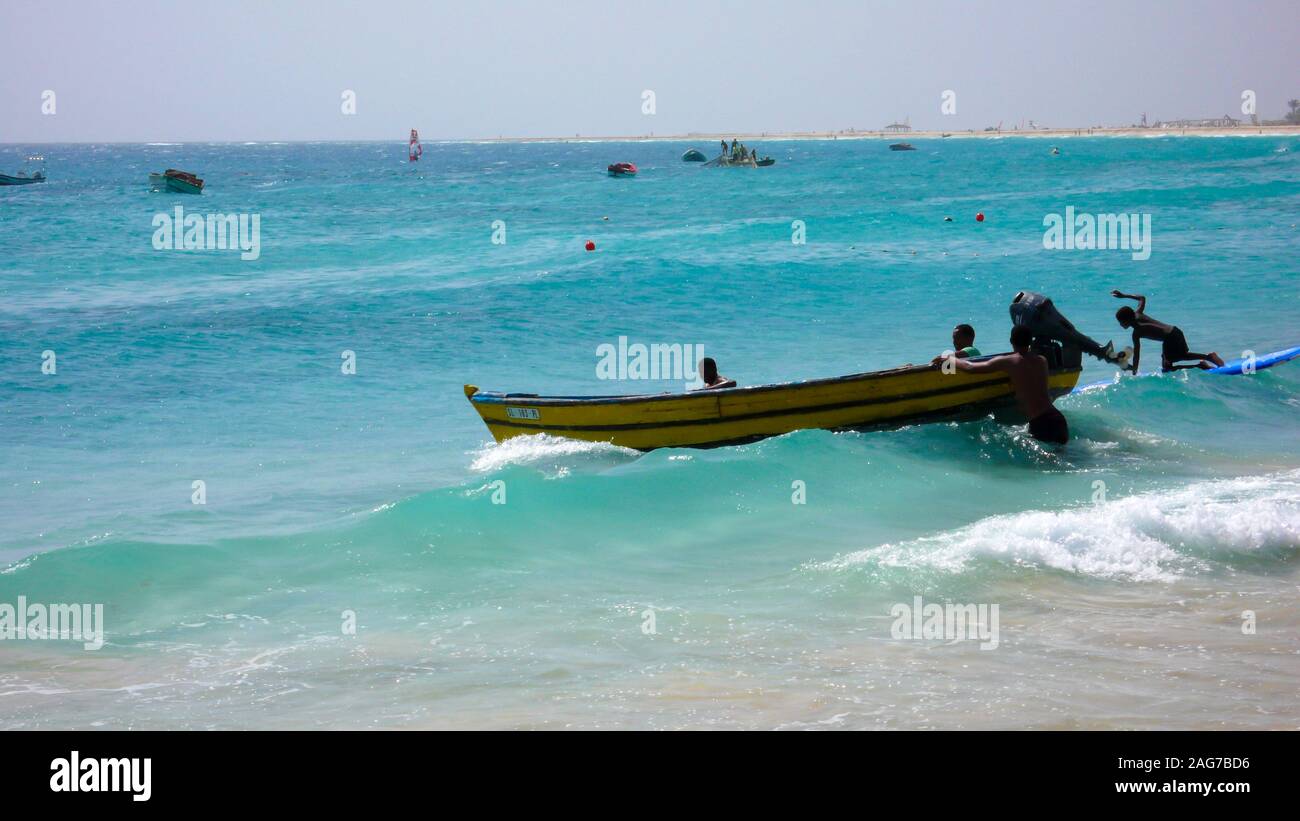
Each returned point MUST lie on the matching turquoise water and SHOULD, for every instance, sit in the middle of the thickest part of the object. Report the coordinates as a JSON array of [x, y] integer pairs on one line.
[[369, 496]]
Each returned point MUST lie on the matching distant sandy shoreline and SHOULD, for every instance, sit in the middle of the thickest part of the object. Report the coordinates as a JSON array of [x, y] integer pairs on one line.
[[1053, 133], [707, 140]]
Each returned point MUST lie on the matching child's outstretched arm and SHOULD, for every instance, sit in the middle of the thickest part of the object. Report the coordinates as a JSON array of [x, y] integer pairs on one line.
[[1141, 300]]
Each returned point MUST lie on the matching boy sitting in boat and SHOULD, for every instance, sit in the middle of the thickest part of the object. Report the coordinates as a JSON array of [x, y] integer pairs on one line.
[[710, 376], [1173, 344], [963, 344], [1028, 373]]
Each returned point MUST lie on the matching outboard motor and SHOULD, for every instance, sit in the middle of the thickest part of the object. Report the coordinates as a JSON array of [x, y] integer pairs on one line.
[[1037, 312]]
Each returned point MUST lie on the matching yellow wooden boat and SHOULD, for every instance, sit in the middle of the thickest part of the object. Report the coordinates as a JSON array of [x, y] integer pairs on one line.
[[731, 416], [862, 401]]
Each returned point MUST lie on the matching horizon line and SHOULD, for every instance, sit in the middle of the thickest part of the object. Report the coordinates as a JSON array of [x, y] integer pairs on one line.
[[1280, 129]]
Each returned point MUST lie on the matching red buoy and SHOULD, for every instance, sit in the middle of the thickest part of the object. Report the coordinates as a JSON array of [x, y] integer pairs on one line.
[[591, 246], [979, 217]]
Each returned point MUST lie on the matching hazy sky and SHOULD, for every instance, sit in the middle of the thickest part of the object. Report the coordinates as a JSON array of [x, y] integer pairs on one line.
[[277, 69]]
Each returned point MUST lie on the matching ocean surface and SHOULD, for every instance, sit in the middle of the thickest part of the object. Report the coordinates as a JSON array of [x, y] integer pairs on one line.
[[349, 566]]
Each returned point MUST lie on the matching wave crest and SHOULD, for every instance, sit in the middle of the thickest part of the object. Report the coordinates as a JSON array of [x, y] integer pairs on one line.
[[1159, 536], [544, 450]]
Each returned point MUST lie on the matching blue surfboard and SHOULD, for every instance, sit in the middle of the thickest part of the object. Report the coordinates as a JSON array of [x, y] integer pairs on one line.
[[1268, 360], [1234, 368]]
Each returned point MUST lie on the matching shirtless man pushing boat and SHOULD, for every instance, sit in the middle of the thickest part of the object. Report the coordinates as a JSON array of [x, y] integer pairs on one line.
[[1028, 374]]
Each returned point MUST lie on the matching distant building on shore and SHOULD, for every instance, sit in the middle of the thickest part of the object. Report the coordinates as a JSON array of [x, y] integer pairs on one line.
[[899, 128], [1226, 121]]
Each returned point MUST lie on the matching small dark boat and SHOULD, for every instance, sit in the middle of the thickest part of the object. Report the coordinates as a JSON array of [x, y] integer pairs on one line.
[[182, 182], [694, 155], [765, 162], [622, 169], [902, 147], [24, 178], [731, 162], [5, 179]]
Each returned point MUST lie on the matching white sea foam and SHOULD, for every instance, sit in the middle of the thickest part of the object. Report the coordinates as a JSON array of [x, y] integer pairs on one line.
[[1158, 536], [546, 449]]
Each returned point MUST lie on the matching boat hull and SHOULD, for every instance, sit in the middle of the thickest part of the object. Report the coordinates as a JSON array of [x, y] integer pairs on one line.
[[5, 179], [726, 162], [882, 399], [181, 182], [183, 187]]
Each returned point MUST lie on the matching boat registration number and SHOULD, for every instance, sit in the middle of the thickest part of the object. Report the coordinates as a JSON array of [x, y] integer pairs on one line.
[[523, 413]]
